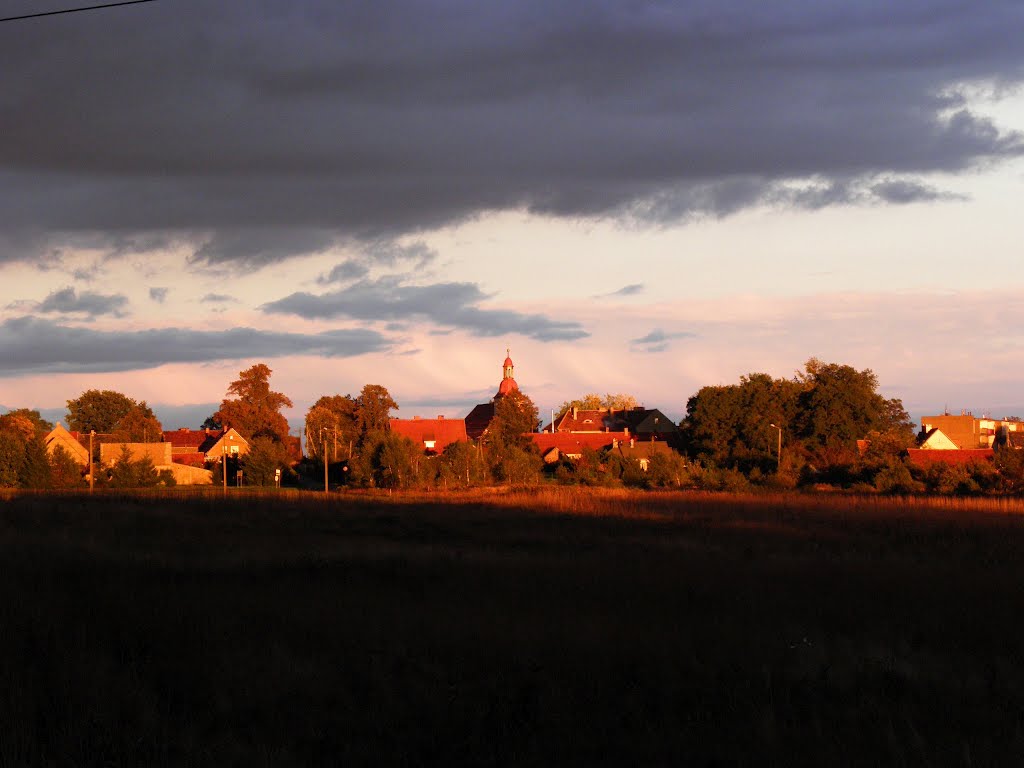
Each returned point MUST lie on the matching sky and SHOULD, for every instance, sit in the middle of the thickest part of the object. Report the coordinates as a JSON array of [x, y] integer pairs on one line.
[[637, 197]]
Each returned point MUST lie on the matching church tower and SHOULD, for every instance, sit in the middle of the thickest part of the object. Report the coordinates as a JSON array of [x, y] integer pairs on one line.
[[508, 384]]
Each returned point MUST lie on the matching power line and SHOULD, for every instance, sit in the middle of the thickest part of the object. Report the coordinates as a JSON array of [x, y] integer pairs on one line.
[[75, 10]]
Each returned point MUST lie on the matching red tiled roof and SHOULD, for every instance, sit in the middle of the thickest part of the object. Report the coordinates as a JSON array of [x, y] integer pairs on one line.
[[441, 431], [925, 456], [191, 459], [585, 421], [575, 442], [186, 438]]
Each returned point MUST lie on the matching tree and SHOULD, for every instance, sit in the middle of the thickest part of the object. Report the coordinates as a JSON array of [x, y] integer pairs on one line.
[[35, 469], [460, 464], [397, 462], [593, 401], [101, 410], [333, 418], [41, 426], [373, 409], [12, 457], [65, 472], [138, 425], [260, 464], [1009, 462], [515, 417], [840, 405], [730, 426], [129, 473], [255, 411]]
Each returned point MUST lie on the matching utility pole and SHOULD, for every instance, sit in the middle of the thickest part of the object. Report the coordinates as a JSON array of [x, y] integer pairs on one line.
[[92, 473], [778, 453], [323, 439]]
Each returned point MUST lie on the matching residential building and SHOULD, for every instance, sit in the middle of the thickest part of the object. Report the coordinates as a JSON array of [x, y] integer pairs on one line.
[[433, 435]]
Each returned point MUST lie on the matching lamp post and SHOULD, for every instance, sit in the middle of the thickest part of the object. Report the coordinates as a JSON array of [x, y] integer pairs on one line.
[[224, 462], [323, 442], [778, 454], [92, 463]]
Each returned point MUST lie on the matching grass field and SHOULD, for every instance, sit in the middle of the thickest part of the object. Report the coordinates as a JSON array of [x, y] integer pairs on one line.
[[563, 627]]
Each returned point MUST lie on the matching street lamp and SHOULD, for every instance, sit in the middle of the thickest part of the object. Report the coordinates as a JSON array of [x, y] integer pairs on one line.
[[224, 462], [778, 455]]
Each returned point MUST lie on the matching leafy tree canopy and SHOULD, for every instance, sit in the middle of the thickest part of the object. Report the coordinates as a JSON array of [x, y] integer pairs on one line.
[[41, 426], [515, 416], [102, 410], [374, 406], [255, 411], [594, 401], [333, 418], [139, 425]]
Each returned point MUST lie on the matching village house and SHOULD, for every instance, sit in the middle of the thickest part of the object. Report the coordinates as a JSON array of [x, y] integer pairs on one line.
[[433, 435], [60, 437], [642, 424]]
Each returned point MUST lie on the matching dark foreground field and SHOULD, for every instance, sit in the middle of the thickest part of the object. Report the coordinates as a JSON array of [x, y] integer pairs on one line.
[[692, 630]]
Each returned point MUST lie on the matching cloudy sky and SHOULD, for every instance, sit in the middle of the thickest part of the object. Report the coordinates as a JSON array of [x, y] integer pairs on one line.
[[640, 197]]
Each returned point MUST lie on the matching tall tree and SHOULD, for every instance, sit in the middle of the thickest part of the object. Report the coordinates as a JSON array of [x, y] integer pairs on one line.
[[840, 405], [332, 418], [515, 416], [101, 410], [65, 472], [255, 411], [374, 406], [42, 426], [139, 425]]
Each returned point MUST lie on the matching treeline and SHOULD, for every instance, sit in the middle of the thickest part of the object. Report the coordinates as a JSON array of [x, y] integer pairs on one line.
[[827, 426]]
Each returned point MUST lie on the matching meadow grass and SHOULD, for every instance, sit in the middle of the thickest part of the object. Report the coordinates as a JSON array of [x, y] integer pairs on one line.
[[496, 627]]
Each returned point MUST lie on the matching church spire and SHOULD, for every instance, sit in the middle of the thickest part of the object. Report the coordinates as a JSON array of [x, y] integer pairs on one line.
[[508, 384]]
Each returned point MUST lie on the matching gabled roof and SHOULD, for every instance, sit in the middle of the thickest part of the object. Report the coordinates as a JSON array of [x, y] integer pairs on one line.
[[213, 446], [478, 420], [187, 438], [69, 441], [576, 420], [643, 421], [440, 431], [573, 443], [936, 440]]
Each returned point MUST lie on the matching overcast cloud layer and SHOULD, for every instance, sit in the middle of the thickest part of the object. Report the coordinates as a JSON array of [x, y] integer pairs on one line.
[[262, 130], [28, 345]]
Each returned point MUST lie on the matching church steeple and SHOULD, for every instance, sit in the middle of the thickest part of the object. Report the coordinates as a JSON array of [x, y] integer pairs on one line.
[[508, 384]]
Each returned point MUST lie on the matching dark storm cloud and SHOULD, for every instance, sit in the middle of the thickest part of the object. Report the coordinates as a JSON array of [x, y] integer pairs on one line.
[[446, 304], [159, 295], [29, 345], [68, 301], [245, 126], [658, 340]]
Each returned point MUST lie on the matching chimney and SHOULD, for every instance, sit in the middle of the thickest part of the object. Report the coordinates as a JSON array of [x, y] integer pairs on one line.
[[632, 443], [626, 430], [575, 413], [440, 417], [415, 418]]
